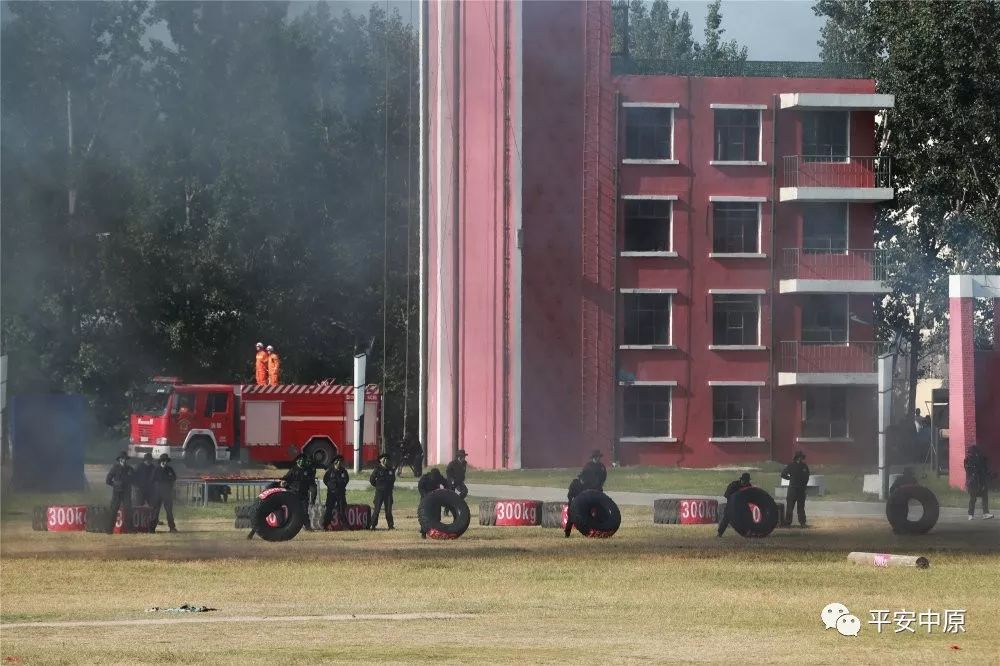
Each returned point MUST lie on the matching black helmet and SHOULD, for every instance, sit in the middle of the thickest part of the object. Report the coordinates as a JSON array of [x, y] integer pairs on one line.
[[148, 456], [461, 453], [123, 455], [164, 457], [338, 457], [596, 454], [745, 477], [799, 455], [384, 456]]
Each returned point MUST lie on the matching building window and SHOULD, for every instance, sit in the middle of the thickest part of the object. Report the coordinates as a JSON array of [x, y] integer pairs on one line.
[[735, 411], [647, 319], [647, 411], [735, 319], [737, 135], [824, 136], [824, 228], [735, 227], [824, 318], [824, 413], [649, 133], [647, 225]]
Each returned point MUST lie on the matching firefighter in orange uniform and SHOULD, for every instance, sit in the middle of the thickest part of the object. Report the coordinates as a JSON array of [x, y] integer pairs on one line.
[[273, 366], [260, 364]]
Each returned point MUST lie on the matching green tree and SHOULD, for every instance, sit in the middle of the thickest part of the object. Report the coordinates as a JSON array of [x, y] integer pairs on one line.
[[714, 49], [939, 60], [658, 32]]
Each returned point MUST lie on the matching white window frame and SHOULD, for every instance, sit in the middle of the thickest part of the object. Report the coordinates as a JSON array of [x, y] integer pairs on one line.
[[673, 106], [760, 108], [670, 407], [671, 253], [670, 332], [719, 198], [737, 440], [760, 293]]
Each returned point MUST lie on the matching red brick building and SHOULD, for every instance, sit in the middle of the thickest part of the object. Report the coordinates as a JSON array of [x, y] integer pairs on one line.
[[675, 269]]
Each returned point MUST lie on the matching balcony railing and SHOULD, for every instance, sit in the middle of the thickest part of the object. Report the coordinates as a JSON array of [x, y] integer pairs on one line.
[[852, 357], [836, 171], [830, 264]]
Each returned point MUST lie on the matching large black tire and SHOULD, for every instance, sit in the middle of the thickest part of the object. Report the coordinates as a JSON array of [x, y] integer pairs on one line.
[[287, 507], [242, 523], [39, 519], [487, 512], [98, 519], [595, 514], [243, 510], [200, 453], [898, 506], [665, 512], [552, 514], [742, 516], [429, 514]]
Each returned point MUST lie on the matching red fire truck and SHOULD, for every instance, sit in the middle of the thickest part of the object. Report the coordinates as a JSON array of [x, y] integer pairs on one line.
[[206, 423]]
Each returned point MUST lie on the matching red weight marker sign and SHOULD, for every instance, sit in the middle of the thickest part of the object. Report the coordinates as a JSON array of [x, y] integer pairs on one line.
[[358, 516], [66, 518], [517, 513], [697, 511]]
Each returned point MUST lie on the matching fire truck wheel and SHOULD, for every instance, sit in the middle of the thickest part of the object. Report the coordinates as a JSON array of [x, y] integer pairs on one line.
[[552, 514], [278, 517], [430, 510], [487, 512], [753, 513], [200, 453], [897, 510], [595, 514], [98, 519], [321, 451]]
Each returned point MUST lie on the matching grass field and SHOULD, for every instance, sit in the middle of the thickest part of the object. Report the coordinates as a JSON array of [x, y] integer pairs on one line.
[[649, 594]]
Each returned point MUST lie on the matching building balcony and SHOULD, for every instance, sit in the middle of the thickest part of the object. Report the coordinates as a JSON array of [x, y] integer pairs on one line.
[[816, 271], [825, 178], [846, 364]]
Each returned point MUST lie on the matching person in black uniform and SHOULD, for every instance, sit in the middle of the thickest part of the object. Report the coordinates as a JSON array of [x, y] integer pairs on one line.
[[429, 482], [142, 481], [456, 474], [335, 480], [301, 480], [907, 478], [383, 479], [120, 479], [413, 454], [575, 488], [594, 473], [797, 473], [733, 488], [163, 479], [977, 480]]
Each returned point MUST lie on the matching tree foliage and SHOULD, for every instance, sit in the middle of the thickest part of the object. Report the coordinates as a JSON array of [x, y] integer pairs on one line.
[[246, 178], [659, 32], [939, 60]]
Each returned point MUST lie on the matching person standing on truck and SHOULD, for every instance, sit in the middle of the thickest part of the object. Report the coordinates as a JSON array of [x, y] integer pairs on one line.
[[273, 367], [301, 480], [383, 479], [335, 480], [143, 480], [736, 486], [120, 479], [455, 471], [164, 478], [594, 473], [797, 474], [260, 365]]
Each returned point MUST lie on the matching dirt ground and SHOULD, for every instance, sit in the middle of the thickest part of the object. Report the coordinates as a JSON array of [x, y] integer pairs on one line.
[[664, 594]]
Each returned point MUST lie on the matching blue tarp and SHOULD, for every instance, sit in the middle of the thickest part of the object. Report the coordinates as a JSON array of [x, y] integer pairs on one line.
[[48, 439]]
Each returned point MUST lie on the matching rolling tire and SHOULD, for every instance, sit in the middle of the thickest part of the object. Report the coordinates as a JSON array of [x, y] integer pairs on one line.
[[39, 519], [200, 453], [242, 510], [595, 514], [898, 505], [429, 515], [552, 514], [665, 512], [750, 523], [291, 516], [242, 523], [487, 512], [98, 519], [321, 451]]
